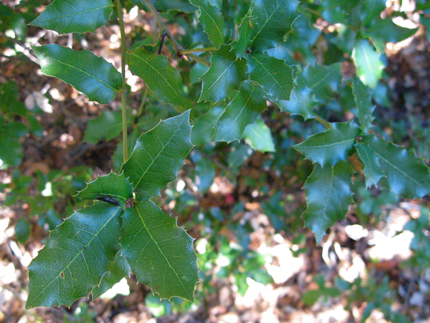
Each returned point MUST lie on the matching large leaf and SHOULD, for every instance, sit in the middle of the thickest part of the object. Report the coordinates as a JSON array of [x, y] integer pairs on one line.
[[301, 103], [328, 196], [87, 72], [331, 146], [105, 127], [163, 80], [363, 98], [212, 21], [76, 256], [323, 81], [259, 136], [272, 20], [240, 112], [406, 175], [158, 155], [112, 188], [74, 16], [159, 253], [225, 74], [274, 76], [369, 66]]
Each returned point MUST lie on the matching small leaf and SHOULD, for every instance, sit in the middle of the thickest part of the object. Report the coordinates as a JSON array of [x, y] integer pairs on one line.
[[240, 112], [331, 146], [158, 155], [162, 79], [225, 75], [301, 103], [76, 256], [369, 66], [323, 81], [363, 98], [274, 76], [205, 174], [240, 46], [212, 21], [386, 31], [272, 20], [112, 186], [105, 127], [371, 11], [406, 174], [203, 128], [74, 16], [372, 170], [160, 253], [22, 230], [88, 73], [328, 196], [259, 136]]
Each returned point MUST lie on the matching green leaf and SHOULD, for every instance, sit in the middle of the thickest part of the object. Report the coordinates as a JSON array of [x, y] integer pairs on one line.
[[259, 136], [386, 31], [162, 79], [301, 103], [158, 155], [240, 46], [323, 81], [372, 170], [159, 253], [117, 271], [406, 174], [167, 5], [225, 75], [212, 21], [363, 98], [111, 186], [76, 256], [8, 97], [203, 128], [369, 66], [11, 152], [371, 11], [248, 103], [274, 76], [74, 16], [336, 11], [22, 230], [88, 73], [205, 174], [331, 146], [272, 20], [328, 196], [105, 127]]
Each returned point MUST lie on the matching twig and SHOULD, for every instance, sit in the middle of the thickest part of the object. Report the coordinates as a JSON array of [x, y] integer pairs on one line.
[[163, 35], [142, 104], [198, 50], [322, 120], [199, 59]]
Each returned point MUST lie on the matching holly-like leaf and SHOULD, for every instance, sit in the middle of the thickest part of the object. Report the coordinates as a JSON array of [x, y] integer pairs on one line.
[[88, 73], [386, 31], [272, 20], [212, 21], [274, 76], [76, 256], [203, 128], [117, 271], [105, 127], [74, 16], [406, 174], [259, 136], [331, 146], [372, 170], [112, 188], [363, 98], [159, 253], [240, 46], [240, 112], [369, 66], [161, 77], [323, 81], [225, 75], [301, 103], [158, 155], [328, 196]]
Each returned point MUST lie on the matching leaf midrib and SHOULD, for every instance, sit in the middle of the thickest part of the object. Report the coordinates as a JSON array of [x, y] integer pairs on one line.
[[68, 16], [264, 25], [217, 28]]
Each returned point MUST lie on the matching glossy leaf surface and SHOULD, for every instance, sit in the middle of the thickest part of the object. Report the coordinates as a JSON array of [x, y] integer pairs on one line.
[[212, 21], [369, 66], [363, 98], [301, 103], [372, 170], [244, 36], [105, 127], [259, 136], [203, 128]]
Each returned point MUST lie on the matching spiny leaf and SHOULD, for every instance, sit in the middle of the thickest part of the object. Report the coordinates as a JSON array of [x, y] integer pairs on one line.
[[203, 128], [301, 103], [328, 196], [363, 98], [272, 20], [74, 16], [111, 186], [240, 46], [331, 146], [105, 127], [406, 175], [369, 66], [225, 74], [259, 136], [240, 112], [212, 21], [88, 73], [274, 76], [76, 256], [372, 170], [158, 155], [160, 253], [162, 79]]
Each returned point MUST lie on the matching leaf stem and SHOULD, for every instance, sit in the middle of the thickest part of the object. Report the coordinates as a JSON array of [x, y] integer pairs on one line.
[[198, 50], [124, 84], [199, 59], [142, 104], [322, 120]]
